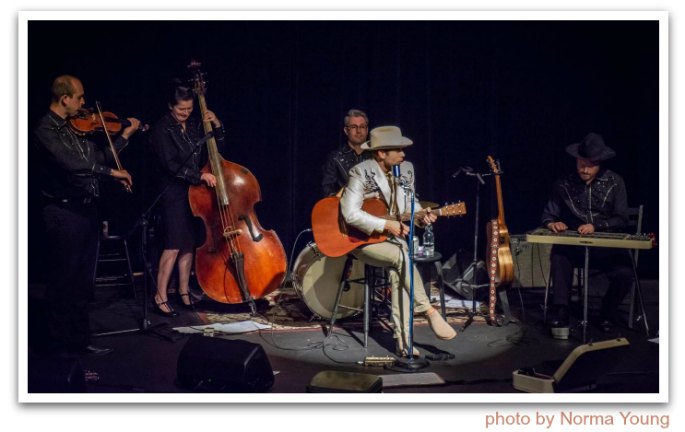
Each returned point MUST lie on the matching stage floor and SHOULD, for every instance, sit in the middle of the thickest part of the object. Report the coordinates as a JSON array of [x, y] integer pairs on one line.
[[479, 360]]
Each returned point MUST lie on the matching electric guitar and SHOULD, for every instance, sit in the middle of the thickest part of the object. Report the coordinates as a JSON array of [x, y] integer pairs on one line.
[[335, 238]]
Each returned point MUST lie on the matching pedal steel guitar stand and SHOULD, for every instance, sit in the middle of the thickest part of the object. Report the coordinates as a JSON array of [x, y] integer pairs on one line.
[[615, 240]]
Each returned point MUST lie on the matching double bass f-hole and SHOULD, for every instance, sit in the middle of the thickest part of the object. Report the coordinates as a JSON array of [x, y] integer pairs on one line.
[[256, 236]]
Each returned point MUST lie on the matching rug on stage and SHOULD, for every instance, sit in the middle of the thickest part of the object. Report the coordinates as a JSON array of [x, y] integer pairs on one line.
[[284, 309]]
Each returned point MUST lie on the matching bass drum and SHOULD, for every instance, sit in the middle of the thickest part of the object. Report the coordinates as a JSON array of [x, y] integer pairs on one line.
[[317, 279]]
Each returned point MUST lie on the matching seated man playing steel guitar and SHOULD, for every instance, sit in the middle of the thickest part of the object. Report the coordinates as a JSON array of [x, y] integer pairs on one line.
[[593, 199], [373, 178]]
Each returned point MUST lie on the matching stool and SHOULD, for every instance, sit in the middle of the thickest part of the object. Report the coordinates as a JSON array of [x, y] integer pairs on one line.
[[422, 263], [113, 263], [370, 281]]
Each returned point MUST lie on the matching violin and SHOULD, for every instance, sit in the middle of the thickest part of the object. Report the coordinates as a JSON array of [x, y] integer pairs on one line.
[[88, 121]]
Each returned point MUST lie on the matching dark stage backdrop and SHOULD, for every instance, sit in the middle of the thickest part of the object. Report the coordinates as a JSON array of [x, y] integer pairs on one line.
[[520, 91]]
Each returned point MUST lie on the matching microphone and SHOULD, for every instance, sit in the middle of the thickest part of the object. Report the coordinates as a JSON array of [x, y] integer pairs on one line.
[[469, 172], [465, 169], [398, 177], [204, 139]]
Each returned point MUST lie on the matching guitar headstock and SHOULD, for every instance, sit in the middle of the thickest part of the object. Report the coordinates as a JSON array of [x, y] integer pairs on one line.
[[455, 209], [494, 165]]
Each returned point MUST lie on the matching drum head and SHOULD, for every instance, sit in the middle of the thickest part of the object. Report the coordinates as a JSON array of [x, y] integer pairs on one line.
[[317, 279]]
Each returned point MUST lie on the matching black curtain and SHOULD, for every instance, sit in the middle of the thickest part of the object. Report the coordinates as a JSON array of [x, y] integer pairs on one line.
[[519, 91]]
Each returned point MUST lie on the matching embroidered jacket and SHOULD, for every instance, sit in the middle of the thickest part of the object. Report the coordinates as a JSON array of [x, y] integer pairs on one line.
[[603, 203], [367, 180]]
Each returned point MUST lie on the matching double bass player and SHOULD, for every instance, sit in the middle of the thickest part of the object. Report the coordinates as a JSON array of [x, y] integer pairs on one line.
[[173, 139]]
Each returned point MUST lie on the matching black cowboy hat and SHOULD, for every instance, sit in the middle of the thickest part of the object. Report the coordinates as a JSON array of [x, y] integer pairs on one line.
[[592, 147]]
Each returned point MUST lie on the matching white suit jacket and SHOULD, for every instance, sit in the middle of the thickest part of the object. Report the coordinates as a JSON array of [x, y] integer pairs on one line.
[[367, 180]]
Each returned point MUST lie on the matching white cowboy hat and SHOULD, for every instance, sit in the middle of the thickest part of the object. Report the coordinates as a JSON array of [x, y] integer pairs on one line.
[[386, 137]]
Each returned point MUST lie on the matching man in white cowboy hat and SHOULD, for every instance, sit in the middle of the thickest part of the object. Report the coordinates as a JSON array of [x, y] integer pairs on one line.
[[339, 161], [373, 178], [591, 200]]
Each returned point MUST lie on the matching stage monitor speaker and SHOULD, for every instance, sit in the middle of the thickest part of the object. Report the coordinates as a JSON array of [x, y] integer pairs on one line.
[[578, 372], [531, 262], [213, 364], [56, 375], [345, 382]]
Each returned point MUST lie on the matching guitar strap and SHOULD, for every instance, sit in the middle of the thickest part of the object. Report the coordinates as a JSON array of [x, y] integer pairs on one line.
[[494, 247], [393, 193]]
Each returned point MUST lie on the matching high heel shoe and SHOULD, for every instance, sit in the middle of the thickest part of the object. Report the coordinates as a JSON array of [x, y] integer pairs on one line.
[[171, 313], [191, 304]]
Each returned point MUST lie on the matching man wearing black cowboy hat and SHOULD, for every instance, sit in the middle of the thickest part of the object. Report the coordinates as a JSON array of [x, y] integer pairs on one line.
[[593, 199]]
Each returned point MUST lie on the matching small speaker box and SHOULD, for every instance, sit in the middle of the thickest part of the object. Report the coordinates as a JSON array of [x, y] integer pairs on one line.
[[210, 364]]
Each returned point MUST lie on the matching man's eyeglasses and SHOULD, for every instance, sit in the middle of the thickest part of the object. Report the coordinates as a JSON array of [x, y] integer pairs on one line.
[[355, 127]]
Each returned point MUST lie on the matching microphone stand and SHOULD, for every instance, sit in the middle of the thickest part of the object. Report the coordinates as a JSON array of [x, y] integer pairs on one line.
[[143, 221], [411, 364], [474, 264]]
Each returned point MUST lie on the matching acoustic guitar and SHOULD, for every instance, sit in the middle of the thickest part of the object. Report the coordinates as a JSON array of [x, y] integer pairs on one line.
[[500, 261], [335, 238]]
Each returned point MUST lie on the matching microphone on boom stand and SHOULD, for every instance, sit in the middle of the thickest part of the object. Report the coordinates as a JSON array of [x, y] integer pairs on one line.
[[410, 364]]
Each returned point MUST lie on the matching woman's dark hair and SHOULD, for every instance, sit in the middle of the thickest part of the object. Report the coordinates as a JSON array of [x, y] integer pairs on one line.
[[178, 92]]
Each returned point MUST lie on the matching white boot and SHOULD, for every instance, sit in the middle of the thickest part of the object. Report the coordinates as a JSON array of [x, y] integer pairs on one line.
[[439, 326]]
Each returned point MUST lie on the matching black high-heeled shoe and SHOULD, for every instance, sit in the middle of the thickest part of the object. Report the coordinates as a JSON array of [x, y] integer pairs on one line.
[[191, 304], [171, 313]]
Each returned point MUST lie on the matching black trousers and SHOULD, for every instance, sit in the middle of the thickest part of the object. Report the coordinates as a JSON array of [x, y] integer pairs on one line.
[[72, 238], [614, 263]]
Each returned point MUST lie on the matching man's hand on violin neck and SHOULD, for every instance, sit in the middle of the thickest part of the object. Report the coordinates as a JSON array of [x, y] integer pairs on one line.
[[135, 124]]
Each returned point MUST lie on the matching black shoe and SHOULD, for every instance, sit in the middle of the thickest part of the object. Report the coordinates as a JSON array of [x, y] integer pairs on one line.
[[171, 313], [191, 303], [93, 351], [606, 326]]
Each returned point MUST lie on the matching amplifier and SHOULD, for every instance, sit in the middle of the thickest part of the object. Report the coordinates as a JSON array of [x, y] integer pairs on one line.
[[531, 262]]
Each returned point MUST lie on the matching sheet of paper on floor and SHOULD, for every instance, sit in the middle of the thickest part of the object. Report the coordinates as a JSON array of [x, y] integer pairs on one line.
[[229, 328]]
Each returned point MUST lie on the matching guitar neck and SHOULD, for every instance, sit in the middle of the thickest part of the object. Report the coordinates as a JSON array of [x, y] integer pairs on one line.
[[407, 216], [500, 200]]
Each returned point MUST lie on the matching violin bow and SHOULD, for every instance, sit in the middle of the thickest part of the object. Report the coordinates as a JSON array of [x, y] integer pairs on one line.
[[111, 144]]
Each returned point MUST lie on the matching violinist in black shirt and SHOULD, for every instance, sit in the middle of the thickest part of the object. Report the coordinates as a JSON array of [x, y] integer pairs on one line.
[[71, 167]]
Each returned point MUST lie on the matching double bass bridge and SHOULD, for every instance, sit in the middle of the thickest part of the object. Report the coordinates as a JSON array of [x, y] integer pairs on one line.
[[232, 233]]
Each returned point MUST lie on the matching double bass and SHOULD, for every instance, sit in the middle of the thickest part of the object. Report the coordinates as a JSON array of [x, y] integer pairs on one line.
[[239, 260], [500, 262]]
